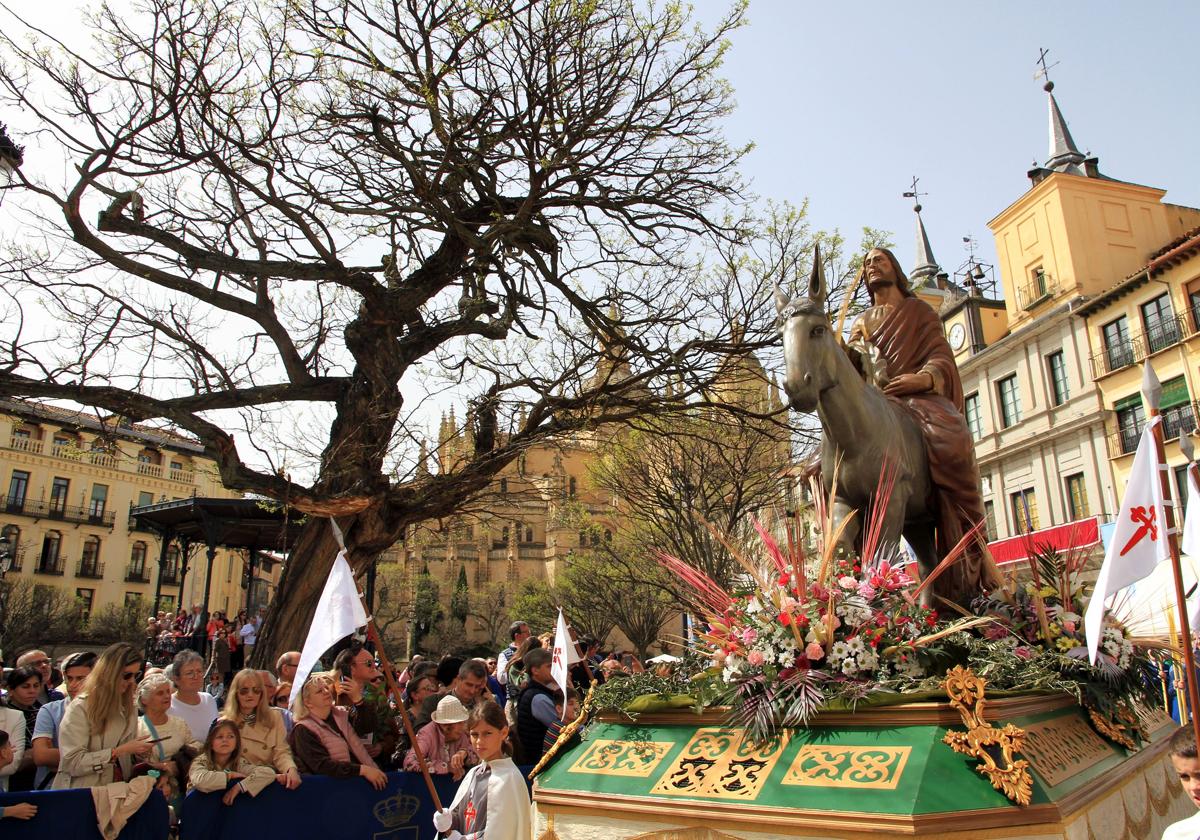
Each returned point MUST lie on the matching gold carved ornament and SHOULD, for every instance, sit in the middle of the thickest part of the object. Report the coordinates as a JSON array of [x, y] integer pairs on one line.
[[995, 748], [1121, 728]]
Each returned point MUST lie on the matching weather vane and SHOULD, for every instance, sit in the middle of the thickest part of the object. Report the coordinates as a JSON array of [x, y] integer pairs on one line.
[[914, 195], [1044, 72]]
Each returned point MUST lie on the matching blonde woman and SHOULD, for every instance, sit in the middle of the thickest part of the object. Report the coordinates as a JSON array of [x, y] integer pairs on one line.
[[98, 734], [323, 741], [264, 739]]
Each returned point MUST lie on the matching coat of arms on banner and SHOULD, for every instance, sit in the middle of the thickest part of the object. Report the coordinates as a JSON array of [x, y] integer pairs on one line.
[[394, 812]]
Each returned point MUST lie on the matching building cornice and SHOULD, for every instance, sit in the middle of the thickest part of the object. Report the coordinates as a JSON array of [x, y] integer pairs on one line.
[[1056, 181]]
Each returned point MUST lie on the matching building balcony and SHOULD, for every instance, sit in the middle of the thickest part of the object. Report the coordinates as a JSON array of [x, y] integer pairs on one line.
[[51, 566], [1177, 420], [1040, 288], [137, 573], [25, 444], [72, 451], [170, 576], [1164, 333], [59, 512], [89, 569]]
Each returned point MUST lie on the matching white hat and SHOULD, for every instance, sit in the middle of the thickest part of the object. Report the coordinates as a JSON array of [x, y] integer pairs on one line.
[[449, 710]]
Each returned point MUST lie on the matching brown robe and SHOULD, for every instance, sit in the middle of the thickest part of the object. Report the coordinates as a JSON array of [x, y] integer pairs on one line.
[[909, 336]]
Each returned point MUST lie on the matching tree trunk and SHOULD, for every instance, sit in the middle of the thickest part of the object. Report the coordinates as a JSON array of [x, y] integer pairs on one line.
[[303, 579]]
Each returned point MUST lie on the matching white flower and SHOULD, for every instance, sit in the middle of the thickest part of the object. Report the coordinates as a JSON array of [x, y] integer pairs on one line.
[[838, 652]]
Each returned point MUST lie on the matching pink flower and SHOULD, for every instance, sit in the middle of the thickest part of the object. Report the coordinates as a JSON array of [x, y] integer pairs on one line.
[[847, 582], [995, 631], [788, 604], [749, 635], [814, 651], [1069, 626], [1023, 652], [755, 657], [866, 590]]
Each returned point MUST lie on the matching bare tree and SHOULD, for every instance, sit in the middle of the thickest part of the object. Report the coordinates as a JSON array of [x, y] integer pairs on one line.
[[317, 215]]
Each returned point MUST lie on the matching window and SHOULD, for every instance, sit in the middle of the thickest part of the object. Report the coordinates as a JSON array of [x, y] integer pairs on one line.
[[1176, 408], [989, 517], [177, 466], [1118, 352], [1162, 330], [607, 535], [18, 486], [971, 411], [504, 532], [1077, 501], [1130, 419], [145, 498], [133, 599], [503, 486], [99, 500], [1194, 305], [1010, 401], [91, 554], [582, 538], [58, 495], [83, 600], [167, 603], [137, 558], [11, 537], [1182, 488], [571, 484], [1025, 513], [51, 547], [1059, 391], [528, 535]]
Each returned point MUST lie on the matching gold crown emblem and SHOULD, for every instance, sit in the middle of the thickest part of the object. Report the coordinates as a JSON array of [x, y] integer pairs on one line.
[[396, 810]]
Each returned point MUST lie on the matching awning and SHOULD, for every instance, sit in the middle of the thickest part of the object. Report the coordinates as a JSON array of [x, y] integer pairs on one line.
[[1082, 533]]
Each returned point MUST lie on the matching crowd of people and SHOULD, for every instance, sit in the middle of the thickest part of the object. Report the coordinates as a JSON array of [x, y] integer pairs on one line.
[[230, 641], [204, 723]]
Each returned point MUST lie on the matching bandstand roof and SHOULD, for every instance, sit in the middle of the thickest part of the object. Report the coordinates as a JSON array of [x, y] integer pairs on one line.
[[231, 523]]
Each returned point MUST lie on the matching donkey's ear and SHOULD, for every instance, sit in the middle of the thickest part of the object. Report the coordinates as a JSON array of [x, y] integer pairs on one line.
[[816, 280], [781, 300]]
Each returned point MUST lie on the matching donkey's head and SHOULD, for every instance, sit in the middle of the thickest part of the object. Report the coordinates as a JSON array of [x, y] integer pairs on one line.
[[808, 342]]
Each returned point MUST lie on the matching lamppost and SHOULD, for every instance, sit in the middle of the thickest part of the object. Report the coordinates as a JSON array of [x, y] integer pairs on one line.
[[6, 555]]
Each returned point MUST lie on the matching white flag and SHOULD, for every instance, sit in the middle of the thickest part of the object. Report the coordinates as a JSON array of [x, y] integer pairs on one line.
[[1139, 540], [564, 657], [339, 613]]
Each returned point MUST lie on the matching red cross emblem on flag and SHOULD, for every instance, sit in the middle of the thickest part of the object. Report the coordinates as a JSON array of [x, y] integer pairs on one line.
[[1144, 517], [558, 656]]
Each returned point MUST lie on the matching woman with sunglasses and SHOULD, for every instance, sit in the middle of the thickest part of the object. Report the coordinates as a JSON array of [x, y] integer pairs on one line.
[[98, 738], [264, 741]]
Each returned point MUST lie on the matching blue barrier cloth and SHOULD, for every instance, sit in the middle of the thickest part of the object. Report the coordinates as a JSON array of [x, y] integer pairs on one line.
[[322, 808], [69, 814]]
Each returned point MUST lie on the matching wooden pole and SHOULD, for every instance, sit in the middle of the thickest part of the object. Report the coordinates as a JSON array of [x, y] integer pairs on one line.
[[390, 678], [1152, 393]]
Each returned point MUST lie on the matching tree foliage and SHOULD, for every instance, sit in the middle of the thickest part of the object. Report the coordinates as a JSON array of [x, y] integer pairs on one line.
[[295, 220], [42, 616]]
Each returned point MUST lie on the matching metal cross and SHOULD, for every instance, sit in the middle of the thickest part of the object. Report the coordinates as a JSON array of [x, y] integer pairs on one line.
[[1045, 71], [914, 195]]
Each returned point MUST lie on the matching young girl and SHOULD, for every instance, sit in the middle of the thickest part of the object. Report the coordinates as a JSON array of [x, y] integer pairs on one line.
[[222, 762], [493, 796]]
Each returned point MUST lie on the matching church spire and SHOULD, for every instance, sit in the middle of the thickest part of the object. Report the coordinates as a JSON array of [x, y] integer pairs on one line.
[[1064, 155], [926, 266]]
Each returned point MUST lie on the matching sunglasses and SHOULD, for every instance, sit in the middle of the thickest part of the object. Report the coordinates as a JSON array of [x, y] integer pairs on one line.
[[130, 676], [280, 699]]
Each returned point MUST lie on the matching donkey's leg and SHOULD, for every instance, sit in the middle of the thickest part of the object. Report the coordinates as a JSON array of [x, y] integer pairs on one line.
[[842, 511], [920, 536]]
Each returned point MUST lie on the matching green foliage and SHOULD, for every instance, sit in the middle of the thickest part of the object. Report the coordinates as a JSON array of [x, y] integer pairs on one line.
[[427, 607], [460, 601], [38, 615], [118, 623]]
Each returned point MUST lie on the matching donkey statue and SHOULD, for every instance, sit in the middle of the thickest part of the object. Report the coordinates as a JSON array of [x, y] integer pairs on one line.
[[860, 427]]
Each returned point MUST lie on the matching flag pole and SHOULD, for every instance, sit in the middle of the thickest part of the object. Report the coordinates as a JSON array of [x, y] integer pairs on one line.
[[1152, 394], [393, 688]]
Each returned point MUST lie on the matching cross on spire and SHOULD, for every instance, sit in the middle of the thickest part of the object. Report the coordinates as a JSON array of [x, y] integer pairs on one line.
[[1045, 71], [914, 195]]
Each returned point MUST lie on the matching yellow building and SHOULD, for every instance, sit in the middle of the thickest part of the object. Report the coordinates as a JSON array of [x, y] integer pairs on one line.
[[1039, 408], [1151, 314], [72, 480]]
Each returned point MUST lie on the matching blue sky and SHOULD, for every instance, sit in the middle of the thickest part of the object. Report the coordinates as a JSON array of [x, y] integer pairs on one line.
[[846, 101]]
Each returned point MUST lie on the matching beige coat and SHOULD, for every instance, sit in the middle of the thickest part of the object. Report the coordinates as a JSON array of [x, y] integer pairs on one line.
[[85, 757], [266, 745], [207, 780]]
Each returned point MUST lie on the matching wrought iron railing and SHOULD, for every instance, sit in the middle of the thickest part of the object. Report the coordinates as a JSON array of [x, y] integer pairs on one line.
[[54, 510], [89, 569], [51, 565]]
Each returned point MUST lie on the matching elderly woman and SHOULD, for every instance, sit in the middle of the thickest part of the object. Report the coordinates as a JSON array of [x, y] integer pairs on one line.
[[99, 729], [171, 733], [323, 741], [264, 737], [196, 708]]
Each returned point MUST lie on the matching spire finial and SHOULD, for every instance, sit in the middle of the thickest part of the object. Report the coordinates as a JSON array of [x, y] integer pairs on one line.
[[1044, 73], [926, 266], [1064, 154]]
